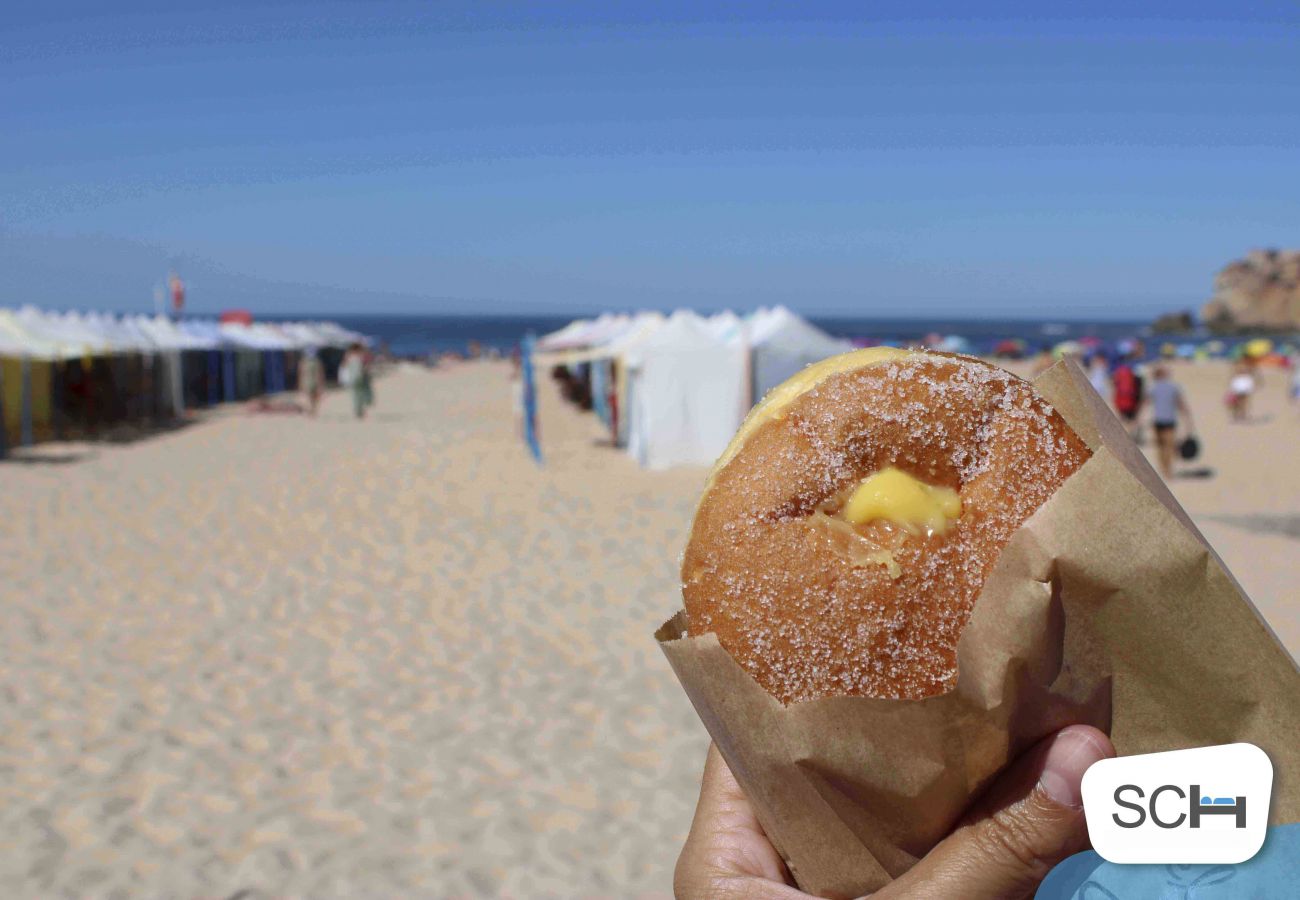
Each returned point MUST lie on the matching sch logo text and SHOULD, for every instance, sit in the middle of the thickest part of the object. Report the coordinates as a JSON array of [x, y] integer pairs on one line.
[[1205, 805], [1198, 805]]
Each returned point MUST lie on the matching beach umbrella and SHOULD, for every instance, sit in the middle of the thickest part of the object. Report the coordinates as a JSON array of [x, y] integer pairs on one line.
[[954, 343], [1067, 348], [1009, 348], [1259, 347]]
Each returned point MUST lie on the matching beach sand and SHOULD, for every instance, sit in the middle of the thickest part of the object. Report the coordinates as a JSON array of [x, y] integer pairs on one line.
[[291, 657]]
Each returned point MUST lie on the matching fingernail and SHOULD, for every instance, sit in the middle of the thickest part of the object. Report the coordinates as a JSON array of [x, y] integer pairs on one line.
[[1072, 751]]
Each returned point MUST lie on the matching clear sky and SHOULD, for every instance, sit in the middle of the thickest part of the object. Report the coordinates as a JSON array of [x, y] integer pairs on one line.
[[860, 158]]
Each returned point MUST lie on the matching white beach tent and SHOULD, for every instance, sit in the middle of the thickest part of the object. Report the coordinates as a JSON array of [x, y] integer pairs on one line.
[[167, 335], [568, 337], [604, 329], [686, 393], [59, 335], [782, 343], [24, 335], [725, 325]]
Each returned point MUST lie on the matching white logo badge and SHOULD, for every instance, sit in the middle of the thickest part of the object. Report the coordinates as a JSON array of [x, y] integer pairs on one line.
[[1208, 805]]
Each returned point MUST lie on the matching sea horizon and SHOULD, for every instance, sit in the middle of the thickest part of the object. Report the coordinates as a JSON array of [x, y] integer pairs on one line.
[[414, 334]]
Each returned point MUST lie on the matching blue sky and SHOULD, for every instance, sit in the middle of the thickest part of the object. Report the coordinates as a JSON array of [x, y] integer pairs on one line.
[[438, 157]]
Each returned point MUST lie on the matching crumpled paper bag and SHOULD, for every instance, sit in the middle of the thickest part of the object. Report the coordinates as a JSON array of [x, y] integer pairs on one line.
[[1107, 607]]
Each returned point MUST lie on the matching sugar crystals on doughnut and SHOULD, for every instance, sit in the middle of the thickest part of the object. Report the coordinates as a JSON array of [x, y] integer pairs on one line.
[[815, 605]]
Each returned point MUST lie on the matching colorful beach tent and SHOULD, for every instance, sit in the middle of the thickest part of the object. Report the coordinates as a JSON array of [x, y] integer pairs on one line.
[[783, 342], [685, 394]]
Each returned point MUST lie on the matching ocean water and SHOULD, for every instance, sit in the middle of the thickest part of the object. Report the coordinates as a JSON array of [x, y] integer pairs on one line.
[[408, 335]]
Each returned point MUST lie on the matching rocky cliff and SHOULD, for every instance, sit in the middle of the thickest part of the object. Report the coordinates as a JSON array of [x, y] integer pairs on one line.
[[1260, 292]]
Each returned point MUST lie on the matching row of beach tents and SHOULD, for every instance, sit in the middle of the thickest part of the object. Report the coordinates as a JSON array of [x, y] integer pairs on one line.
[[672, 390], [79, 375]]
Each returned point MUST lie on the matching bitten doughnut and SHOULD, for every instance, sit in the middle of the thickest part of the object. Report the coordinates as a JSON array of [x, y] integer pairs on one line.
[[845, 533]]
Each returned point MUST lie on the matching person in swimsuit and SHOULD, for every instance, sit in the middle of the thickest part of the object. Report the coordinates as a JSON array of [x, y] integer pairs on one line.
[[1168, 410], [1240, 387]]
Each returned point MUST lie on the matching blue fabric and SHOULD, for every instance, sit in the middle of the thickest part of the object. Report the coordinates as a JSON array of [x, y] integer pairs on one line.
[[530, 401], [1273, 872], [228, 373], [214, 377], [600, 390]]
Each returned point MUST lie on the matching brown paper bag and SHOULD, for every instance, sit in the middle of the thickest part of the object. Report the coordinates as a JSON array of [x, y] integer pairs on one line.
[[1107, 607]]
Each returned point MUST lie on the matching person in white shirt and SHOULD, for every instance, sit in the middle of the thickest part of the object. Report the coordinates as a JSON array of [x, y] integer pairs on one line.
[[1241, 386], [1099, 375]]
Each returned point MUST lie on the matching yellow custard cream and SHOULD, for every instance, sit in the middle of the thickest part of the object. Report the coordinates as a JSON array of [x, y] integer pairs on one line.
[[893, 495]]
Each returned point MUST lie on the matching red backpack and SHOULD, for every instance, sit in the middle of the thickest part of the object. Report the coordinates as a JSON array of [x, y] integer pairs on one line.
[[1127, 389]]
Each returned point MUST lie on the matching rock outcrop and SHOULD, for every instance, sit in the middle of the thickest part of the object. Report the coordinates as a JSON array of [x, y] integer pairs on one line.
[[1174, 323], [1258, 293]]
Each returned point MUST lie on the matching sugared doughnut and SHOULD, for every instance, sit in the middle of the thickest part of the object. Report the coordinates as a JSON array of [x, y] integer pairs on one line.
[[846, 531]]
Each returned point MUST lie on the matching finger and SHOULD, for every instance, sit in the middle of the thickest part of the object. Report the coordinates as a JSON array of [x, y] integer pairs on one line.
[[727, 855], [1028, 821]]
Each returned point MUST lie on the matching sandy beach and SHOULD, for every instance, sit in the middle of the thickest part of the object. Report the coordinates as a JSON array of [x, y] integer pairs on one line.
[[265, 656]]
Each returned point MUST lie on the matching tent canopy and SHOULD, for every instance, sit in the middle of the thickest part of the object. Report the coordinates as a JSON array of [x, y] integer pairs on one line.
[[784, 342], [685, 395]]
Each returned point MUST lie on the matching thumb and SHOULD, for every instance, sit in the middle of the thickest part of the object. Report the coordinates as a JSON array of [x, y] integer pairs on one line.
[[1030, 819]]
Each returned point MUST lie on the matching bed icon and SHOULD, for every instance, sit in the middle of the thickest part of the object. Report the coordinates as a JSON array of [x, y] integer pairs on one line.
[[1217, 806]]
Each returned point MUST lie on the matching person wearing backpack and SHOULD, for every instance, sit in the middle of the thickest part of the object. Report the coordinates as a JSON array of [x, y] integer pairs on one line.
[[1126, 385]]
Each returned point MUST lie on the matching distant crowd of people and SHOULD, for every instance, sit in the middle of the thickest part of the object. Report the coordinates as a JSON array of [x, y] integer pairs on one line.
[[356, 375], [357, 369], [1125, 385]]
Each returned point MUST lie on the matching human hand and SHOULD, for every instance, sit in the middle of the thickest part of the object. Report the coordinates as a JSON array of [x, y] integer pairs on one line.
[[1030, 819]]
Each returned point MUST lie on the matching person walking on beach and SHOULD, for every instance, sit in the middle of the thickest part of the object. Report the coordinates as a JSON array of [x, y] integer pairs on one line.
[[1099, 374], [1168, 409], [368, 360], [1127, 395], [311, 377], [354, 374], [1240, 387]]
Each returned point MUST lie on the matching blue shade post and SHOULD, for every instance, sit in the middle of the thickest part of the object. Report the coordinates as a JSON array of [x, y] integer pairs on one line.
[[530, 400]]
